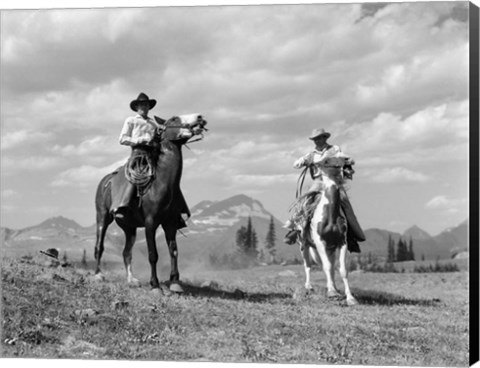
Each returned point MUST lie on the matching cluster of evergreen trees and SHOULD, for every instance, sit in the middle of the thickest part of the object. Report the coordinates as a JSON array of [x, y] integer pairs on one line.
[[403, 251], [247, 253]]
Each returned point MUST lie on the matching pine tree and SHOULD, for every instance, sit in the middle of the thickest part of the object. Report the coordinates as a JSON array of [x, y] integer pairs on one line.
[[84, 258], [402, 251], [247, 241], [241, 240], [253, 252], [248, 244], [270, 240], [411, 255], [390, 250]]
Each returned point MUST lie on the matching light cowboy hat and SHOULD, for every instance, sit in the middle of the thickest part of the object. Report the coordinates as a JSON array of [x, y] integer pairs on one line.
[[319, 132], [141, 98]]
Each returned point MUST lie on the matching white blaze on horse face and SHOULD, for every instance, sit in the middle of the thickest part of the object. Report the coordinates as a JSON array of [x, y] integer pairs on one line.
[[189, 121], [190, 118]]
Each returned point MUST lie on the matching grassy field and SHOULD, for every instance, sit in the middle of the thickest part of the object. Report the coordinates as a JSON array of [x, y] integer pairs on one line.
[[255, 315]]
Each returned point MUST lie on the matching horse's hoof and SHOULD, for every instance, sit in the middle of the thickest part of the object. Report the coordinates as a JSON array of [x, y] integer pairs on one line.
[[156, 291], [165, 290], [134, 282], [333, 294], [352, 301], [176, 288], [99, 277]]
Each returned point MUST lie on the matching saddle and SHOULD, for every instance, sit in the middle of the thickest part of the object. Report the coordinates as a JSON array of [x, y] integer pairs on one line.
[[302, 213]]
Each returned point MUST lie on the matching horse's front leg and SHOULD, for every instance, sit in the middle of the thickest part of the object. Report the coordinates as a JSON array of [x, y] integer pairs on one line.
[[307, 263], [170, 230], [150, 231], [344, 274], [103, 220], [130, 235], [328, 262]]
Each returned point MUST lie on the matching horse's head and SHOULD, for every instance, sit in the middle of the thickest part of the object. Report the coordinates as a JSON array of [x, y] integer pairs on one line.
[[333, 167], [182, 128]]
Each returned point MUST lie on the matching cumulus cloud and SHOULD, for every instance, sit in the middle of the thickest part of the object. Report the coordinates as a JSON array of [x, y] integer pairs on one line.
[[22, 139], [425, 136], [445, 203], [26, 165], [396, 175], [8, 193], [390, 81], [98, 145], [85, 176]]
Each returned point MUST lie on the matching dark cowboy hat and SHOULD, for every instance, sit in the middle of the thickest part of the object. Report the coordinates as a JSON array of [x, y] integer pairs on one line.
[[319, 132], [52, 252], [141, 98]]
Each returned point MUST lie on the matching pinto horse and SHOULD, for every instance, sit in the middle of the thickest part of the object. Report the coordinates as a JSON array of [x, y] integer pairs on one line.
[[328, 230], [161, 204]]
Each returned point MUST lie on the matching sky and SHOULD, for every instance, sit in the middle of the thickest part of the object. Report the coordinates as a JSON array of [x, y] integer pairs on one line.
[[388, 80]]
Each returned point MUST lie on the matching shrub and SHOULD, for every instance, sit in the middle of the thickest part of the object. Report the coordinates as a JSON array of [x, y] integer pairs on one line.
[[437, 267]]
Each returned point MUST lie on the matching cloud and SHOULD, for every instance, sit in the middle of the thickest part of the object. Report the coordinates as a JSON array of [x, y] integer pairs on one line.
[[11, 165], [436, 133], [396, 175], [23, 138], [8, 193], [98, 145], [390, 81], [262, 181], [84, 176], [445, 203]]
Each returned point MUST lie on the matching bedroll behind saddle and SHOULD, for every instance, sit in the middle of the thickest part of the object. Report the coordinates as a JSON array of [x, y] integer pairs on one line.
[[302, 213]]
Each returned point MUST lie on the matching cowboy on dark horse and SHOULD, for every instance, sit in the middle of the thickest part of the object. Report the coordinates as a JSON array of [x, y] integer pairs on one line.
[[145, 192], [313, 161], [140, 132]]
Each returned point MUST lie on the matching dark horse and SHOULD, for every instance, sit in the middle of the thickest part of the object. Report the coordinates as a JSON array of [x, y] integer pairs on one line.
[[162, 203]]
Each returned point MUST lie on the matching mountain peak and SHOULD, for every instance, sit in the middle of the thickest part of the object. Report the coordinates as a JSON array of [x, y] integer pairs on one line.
[[59, 222], [416, 233], [228, 211]]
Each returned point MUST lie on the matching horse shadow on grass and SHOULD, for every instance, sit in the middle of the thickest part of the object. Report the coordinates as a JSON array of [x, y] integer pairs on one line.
[[237, 294], [364, 297], [373, 297]]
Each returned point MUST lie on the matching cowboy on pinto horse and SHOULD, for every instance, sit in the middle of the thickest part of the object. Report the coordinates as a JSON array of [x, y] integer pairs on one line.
[[305, 204]]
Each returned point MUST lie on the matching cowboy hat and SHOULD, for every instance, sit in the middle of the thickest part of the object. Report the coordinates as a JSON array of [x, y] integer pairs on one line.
[[142, 97], [52, 252], [319, 132]]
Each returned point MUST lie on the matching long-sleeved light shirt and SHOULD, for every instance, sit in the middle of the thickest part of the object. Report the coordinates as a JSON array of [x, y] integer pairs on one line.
[[316, 158], [138, 130]]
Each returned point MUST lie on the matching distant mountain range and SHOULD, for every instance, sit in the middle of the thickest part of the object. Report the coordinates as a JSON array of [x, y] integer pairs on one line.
[[448, 244], [212, 229]]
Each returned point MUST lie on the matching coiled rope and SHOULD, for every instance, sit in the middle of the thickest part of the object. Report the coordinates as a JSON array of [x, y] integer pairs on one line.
[[139, 171]]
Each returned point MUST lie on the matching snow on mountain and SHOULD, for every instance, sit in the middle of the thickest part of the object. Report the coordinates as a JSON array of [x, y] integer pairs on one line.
[[208, 216], [212, 228]]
